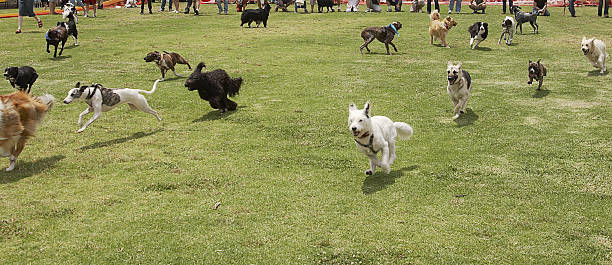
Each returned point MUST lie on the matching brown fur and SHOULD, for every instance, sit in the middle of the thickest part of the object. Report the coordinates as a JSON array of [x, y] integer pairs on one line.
[[437, 28], [166, 61], [539, 74], [20, 117], [382, 34], [56, 35]]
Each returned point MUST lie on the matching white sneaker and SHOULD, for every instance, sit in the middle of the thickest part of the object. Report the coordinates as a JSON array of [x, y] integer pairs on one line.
[[450, 11], [176, 11]]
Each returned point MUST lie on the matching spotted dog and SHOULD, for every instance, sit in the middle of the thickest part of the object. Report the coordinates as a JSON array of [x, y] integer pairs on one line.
[[101, 99]]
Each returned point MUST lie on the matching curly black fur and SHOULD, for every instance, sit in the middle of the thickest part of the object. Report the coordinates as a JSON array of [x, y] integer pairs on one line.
[[258, 15], [214, 87], [325, 3], [24, 77]]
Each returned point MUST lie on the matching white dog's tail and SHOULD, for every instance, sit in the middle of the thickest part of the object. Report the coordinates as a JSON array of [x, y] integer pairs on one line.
[[403, 130], [152, 90]]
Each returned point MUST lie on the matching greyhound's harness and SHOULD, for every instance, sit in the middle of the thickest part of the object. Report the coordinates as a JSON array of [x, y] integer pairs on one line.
[[369, 145], [90, 94]]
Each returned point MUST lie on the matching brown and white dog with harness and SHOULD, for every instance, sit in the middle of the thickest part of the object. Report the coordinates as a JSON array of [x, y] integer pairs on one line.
[[166, 61]]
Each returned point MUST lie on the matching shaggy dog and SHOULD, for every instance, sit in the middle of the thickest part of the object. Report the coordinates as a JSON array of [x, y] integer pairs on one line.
[[508, 28], [20, 114], [417, 6], [101, 99], [384, 34], [258, 15], [439, 28], [522, 17], [478, 32], [166, 61], [325, 3], [56, 35], [24, 77], [375, 134], [537, 71], [214, 87], [595, 51], [459, 87]]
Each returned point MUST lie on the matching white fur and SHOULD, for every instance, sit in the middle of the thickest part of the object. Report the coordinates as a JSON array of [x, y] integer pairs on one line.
[[132, 97], [595, 51], [508, 34], [384, 131]]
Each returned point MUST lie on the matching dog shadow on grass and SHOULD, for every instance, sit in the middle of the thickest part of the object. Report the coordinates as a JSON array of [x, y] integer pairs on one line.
[[597, 73], [484, 49], [540, 93], [467, 118], [27, 169], [379, 180], [215, 115], [61, 57], [134, 136]]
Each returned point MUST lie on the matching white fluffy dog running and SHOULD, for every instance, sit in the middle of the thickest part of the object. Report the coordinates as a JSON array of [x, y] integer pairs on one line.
[[101, 99], [375, 134], [595, 51]]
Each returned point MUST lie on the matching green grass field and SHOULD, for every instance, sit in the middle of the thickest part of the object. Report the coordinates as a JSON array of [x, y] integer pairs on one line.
[[525, 177]]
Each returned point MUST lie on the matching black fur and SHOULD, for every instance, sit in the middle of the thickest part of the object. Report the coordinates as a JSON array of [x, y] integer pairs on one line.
[[325, 3], [24, 77], [56, 35], [258, 15], [473, 29], [71, 24], [468, 78], [214, 87]]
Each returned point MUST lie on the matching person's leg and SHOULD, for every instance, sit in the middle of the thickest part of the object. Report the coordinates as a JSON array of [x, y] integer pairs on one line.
[[19, 22], [428, 6], [163, 5], [437, 5], [218, 6], [510, 4], [503, 6], [571, 8], [176, 6], [142, 4], [607, 6], [451, 4], [189, 6], [95, 6], [225, 3], [458, 6]]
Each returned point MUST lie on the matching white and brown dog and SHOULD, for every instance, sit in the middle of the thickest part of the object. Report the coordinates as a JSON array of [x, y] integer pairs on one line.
[[459, 87], [508, 28], [20, 115], [376, 134], [101, 99], [595, 51], [166, 61]]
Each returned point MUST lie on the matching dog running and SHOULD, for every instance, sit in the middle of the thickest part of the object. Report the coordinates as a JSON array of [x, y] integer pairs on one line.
[[257, 15], [214, 87], [522, 17], [438, 29], [508, 28], [24, 77], [478, 32], [166, 61], [595, 51], [459, 87], [101, 99], [384, 34], [537, 71]]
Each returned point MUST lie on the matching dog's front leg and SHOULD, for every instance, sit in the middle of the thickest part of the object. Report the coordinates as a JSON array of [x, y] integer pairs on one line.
[[373, 163], [393, 45], [443, 38], [385, 158], [62, 50], [96, 115], [511, 36], [163, 71], [471, 43], [530, 80], [540, 83], [48, 51], [81, 116], [500, 38]]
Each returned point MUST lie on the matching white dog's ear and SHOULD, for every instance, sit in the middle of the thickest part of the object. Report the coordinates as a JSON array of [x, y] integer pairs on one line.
[[459, 64], [583, 38], [366, 109], [352, 107], [592, 40]]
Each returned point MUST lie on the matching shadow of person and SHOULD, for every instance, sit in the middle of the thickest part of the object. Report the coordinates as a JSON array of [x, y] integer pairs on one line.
[[379, 180], [467, 118], [215, 115], [540, 93], [28, 169], [119, 140]]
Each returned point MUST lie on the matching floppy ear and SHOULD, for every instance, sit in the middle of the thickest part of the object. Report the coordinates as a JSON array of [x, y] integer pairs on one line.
[[486, 25], [459, 64], [78, 84], [366, 109], [530, 62], [583, 38], [352, 107]]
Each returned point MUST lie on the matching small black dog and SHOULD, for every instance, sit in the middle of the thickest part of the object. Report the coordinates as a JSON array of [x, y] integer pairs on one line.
[[537, 71], [56, 35], [24, 77], [214, 87], [479, 32], [522, 17], [258, 15], [325, 3]]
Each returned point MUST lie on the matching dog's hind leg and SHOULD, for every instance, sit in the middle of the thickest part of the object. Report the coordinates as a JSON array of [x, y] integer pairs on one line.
[[384, 164], [500, 38], [391, 151], [15, 152], [147, 109], [365, 44], [48, 51]]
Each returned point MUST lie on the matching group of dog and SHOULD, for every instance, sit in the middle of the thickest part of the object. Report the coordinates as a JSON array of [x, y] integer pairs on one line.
[[20, 112]]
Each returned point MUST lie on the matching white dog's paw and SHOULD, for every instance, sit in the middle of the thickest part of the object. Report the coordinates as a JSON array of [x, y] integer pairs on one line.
[[81, 130], [456, 116], [368, 172]]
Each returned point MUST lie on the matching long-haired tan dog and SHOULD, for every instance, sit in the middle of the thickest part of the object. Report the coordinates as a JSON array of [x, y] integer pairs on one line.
[[439, 28]]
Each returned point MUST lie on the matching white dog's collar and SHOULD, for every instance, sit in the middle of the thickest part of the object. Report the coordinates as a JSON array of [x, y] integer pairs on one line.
[[369, 145]]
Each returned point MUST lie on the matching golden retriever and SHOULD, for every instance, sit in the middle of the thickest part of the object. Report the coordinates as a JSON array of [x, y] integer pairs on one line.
[[439, 28]]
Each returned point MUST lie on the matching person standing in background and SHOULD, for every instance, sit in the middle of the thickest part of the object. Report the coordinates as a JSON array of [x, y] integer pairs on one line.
[[26, 9], [196, 6], [458, 6], [437, 6], [509, 6], [225, 2], [601, 5], [141, 6]]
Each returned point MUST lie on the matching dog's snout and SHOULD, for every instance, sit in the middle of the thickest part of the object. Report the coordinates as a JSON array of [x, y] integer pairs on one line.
[[353, 128], [66, 102]]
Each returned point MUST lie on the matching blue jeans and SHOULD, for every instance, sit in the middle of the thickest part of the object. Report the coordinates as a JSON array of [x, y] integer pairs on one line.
[[601, 5], [450, 5], [504, 6], [224, 5], [545, 13], [571, 8], [437, 6], [163, 4]]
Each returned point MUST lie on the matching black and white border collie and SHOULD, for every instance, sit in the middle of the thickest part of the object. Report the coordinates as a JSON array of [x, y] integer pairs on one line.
[[70, 13], [478, 33]]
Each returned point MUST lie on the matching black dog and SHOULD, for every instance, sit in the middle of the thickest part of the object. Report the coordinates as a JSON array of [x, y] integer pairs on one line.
[[522, 17], [56, 35], [24, 77], [214, 87], [325, 3], [258, 15]]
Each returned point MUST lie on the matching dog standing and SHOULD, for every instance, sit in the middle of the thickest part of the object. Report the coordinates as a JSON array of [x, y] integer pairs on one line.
[[384, 34], [439, 28], [214, 87], [166, 61], [522, 17], [70, 10], [258, 15], [417, 6], [537, 71], [24, 77], [325, 3], [20, 115], [508, 28], [70, 13], [595, 51], [101, 99], [459, 87], [478, 32], [376, 134], [56, 35]]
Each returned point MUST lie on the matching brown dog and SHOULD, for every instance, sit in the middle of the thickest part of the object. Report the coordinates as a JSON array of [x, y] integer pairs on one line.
[[166, 61], [537, 71], [384, 34], [56, 35], [439, 28]]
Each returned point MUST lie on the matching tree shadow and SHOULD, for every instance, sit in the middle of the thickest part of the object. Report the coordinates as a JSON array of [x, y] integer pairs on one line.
[[379, 180], [467, 118], [597, 73], [28, 169], [215, 115], [540, 93], [119, 140]]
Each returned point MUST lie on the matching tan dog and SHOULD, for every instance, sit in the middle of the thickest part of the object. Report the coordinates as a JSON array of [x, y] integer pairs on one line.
[[166, 61], [439, 28]]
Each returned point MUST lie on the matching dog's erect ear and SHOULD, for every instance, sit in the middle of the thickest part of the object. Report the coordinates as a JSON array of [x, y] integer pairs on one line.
[[583, 38], [592, 41], [200, 66], [539, 61], [78, 84], [366, 109], [449, 64], [459, 64], [352, 107]]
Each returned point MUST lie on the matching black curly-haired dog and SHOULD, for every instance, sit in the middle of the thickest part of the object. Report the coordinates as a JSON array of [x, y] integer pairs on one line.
[[258, 15], [325, 3], [214, 87], [24, 77]]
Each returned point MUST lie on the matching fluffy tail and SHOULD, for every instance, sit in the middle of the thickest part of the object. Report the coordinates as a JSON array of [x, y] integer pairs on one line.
[[403, 130], [48, 100], [234, 87], [152, 90], [434, 15]]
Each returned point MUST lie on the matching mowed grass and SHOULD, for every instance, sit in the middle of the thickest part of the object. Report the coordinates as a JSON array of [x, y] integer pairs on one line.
[[524, 177]]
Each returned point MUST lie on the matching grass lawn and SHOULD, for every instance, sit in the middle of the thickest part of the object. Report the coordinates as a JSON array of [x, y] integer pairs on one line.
[[525, 177]]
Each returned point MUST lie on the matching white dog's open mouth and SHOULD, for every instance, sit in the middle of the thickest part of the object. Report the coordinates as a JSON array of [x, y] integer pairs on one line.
[[355, 133], [585, 51]]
